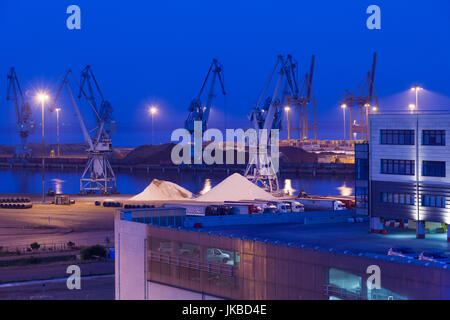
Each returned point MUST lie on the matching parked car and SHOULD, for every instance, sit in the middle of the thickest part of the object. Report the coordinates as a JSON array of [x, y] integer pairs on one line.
[[217, 255], [434, 256], [297, 206], [270, 207], [403, 252], [216, 210], [284, 207]]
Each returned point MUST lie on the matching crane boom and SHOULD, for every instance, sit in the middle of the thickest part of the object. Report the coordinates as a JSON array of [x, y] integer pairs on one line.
[[267, 116], [196, 111], [98, 174], [25, 124], [65, 83]]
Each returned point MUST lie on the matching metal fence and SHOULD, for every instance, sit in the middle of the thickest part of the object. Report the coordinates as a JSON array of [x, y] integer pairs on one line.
[[155, 216], [57, 246]]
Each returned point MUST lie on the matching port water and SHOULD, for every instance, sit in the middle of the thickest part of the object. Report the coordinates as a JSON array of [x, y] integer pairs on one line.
[[61, 181]]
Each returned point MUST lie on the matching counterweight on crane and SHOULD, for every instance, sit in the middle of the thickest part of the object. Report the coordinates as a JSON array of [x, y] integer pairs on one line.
[[25, 124], [98, 175], [268, 115], [198, 112]]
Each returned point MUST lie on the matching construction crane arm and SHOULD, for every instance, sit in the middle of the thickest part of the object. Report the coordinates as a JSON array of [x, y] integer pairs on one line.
[[65, 83], [196, 111], [14, 89]]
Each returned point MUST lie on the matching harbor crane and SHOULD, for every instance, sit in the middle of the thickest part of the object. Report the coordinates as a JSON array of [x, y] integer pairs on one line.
[[304, 101], [98, 176], [25, 124], [267, 114], [198, 112], [364, 97]]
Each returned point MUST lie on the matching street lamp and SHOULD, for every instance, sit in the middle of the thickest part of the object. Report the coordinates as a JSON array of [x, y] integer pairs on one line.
[[417, 88], [57, 129], [343, 107], [153, 111], [42, 97], [288, 112], [412, 107]]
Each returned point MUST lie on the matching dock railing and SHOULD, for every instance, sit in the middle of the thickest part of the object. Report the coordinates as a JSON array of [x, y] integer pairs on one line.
[[165, 217]]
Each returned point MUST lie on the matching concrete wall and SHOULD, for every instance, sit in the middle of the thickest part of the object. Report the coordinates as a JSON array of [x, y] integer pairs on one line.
[[130, 244]]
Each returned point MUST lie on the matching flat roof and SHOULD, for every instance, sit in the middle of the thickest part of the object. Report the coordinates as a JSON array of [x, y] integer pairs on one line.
[[351, 237]]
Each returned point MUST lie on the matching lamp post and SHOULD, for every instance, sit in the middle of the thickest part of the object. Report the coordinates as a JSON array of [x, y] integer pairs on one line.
[[412, 107], [153, 111], [288, 112], [417, 88], [42, 97], [57, 130], [343, 107]]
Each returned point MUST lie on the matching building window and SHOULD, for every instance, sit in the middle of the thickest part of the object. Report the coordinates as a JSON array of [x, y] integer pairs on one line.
[[404, 137], [362, 197], [433, 137], [362, 169], [433, 201], [433, 168], [397, 198], [401, 167]]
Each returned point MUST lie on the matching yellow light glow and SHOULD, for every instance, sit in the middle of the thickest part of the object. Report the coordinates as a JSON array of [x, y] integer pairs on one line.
[[412, 106], [287, 109], [288, 187], [153, 110], [343, 106], [42, 96], [206, 187], [345, 191]]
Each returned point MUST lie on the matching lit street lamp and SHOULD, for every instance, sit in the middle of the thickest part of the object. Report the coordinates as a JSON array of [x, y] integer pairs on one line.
[[343, 107], [57, 130], [416, 89], [42, 97], [153, 110], [288, 112]]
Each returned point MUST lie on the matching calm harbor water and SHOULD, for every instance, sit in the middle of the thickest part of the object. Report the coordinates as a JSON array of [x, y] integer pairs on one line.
[[29, 181]]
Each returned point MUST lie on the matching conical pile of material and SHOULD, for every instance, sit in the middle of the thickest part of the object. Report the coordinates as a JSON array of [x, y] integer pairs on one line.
[[162, 190], [235, 188]]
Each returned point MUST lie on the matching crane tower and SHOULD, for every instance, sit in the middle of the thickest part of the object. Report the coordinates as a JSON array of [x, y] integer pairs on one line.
[[267, 114], [98, 176], [25, 124]]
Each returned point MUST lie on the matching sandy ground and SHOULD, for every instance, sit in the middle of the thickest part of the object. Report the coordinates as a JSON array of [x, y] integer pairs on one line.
[[82, 223]]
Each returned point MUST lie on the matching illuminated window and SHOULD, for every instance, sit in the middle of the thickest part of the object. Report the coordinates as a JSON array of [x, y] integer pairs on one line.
[[433, 201], [397, 198]]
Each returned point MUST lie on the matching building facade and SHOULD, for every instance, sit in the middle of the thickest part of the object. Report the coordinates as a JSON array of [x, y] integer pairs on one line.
[[409, 170], [161, 260]]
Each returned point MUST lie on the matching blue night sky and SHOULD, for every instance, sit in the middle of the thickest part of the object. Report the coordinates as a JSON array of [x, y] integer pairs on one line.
[[157, 52]]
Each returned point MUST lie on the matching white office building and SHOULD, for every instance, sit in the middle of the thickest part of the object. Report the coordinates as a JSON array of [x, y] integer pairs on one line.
[[403, 173]]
